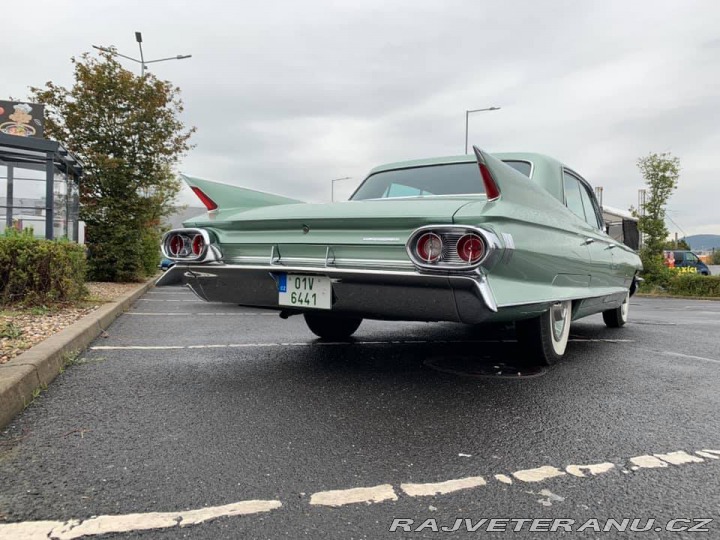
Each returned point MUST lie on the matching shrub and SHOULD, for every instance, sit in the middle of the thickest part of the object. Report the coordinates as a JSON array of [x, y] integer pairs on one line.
[[716, 256], [35, 271], [686, 284]]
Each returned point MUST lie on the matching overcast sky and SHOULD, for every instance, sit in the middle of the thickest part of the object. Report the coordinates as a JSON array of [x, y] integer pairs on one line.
[[288, 95]]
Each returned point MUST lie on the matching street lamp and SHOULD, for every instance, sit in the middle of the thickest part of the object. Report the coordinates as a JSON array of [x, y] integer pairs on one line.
[[332, 186], [467, 115], [143, 63]]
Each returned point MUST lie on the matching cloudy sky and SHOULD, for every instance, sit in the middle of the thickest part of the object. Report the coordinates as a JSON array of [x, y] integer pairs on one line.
[[287, 95]]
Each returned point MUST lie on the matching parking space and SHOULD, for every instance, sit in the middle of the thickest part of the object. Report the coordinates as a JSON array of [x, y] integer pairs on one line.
[[185, 405]]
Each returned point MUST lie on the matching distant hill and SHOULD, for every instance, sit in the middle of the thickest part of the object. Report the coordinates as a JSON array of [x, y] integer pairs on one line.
[[703, 241]]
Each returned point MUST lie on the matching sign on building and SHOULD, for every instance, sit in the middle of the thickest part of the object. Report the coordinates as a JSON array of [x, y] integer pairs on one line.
[[22, 119]]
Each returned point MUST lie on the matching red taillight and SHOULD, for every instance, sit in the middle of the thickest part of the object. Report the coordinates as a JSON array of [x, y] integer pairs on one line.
[[176, 245], [471, 248], [207, 201], [198, 244], [429, 247], [491, 189]]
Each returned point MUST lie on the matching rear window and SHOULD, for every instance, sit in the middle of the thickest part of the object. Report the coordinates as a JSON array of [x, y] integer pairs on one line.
[[524, 167], [447, 179]]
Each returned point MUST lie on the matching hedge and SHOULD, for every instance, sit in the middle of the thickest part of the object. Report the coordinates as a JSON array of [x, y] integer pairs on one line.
[[36, 271], [694, 285]]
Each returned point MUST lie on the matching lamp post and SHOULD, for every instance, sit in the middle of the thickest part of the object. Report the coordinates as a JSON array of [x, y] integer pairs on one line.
[[332, 186], [143, 63], [467, 121]]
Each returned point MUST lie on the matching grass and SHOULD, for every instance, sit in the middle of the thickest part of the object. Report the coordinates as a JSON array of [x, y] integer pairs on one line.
[[10, 330]]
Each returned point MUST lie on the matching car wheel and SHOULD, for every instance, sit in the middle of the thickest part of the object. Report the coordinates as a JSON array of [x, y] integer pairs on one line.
[[615, 318], [330, 326], [545, 338]]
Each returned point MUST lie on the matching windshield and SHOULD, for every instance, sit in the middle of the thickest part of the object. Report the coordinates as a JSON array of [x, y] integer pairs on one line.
[[448, 179]]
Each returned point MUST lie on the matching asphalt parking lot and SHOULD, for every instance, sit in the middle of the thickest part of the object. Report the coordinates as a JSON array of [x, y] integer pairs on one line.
[[185, 406]]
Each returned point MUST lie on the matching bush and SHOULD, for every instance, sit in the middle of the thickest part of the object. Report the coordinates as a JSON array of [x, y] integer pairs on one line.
[[119, 252], [716, 256], [686, 284], [38, 271]]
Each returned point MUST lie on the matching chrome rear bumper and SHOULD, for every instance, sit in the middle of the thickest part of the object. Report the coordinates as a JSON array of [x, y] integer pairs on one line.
[[372, 294]]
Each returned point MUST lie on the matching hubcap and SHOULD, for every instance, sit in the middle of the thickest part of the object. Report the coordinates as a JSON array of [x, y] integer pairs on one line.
[[625, 308], [558, 318]]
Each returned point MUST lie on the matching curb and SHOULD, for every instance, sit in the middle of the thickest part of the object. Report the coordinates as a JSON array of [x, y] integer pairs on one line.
[[36, 368], [675, 297]]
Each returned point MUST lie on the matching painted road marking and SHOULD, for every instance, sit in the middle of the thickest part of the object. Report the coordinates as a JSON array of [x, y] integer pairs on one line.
[[440, 488], [67, 530], [307, 344], [647, 462], [341, 497], [191, 314], [74, 528], [681, 355], [539, 474], [595, 469], [197, 301], [679, 458]]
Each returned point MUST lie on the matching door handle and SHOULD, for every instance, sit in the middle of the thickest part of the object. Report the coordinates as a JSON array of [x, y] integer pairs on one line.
[[588, 241], [611, 246]]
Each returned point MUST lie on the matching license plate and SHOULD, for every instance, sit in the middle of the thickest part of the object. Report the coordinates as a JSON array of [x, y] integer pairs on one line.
[[313, 292]]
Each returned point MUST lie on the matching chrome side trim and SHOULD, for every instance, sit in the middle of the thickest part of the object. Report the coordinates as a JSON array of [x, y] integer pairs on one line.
[[329, 261], [487, 294]]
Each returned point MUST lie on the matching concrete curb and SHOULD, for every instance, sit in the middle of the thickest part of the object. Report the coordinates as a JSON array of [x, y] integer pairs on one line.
[[674, 297], [34, 369]]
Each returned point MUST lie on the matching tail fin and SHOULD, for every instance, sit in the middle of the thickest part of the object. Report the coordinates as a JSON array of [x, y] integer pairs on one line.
[[503, 182], [219, 195]]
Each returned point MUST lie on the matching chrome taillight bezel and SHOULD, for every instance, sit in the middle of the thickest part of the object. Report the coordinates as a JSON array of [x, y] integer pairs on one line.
[[450, 260], [209, 251]]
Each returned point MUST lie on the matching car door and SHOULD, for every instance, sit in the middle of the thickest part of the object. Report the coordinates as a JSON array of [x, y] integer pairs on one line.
[[580, 199]]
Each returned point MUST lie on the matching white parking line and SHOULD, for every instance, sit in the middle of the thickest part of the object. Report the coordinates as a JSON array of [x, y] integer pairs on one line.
[[67, 530], [74, 528], [539, 474], [595, 469], [681, 355], [158, 300], [441, 488], [192, 314], [341, 497], [302, 344]]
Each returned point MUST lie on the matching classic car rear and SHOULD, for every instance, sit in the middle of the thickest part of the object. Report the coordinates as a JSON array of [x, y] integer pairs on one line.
[[469, 239]]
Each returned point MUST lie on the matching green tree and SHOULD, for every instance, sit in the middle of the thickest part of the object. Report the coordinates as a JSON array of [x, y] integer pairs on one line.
[[661, 173], [127, 130], [679, 244]]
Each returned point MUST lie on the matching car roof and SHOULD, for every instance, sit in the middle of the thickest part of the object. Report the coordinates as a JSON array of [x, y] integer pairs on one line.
[[538, 161]]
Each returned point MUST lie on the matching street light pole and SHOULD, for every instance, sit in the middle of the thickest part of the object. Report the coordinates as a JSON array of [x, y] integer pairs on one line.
[[142, 62], [138, 38], [467, 121], [332, 186]]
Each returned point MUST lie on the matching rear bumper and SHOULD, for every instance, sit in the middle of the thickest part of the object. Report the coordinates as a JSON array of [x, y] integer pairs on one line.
[[372, 294]]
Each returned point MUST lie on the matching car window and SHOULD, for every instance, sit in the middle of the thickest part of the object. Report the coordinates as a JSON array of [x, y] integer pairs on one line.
[[573, 199], [446, 179], [590, 214], [679, 256], [690, 257], [401, 190], [580, 201], [524, 167]]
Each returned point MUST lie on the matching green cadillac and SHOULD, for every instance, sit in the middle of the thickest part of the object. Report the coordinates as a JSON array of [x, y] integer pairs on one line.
[[515, 237]]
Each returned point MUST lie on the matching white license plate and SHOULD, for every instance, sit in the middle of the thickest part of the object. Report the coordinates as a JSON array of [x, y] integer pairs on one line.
[[297, 290]]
